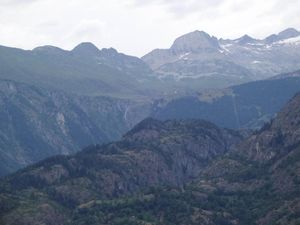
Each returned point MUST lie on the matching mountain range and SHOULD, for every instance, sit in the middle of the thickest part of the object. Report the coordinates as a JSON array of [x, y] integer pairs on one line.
[[206, 132], [205, 61], [37, 123], [85, 70], [196, 61], [172, 172], [55, 101]]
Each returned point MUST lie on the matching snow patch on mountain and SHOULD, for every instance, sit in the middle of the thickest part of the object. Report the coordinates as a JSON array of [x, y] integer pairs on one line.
[[226, 47], [184, 56], [294, 40], [199, 54]]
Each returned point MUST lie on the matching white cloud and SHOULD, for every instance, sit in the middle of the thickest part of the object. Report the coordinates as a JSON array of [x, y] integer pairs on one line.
[[137, 26], [182, 8], [15, 2]]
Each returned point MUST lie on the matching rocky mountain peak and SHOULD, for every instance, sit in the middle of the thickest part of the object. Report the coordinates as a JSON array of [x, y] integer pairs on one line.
[[196, 55], [288, 33], [285, 34], [86, 48], [195, 41], [49, 49], [109, 52], [246, 39]]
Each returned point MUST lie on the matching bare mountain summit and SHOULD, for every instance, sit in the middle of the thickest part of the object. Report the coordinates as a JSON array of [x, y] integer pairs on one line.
[[206, 59]]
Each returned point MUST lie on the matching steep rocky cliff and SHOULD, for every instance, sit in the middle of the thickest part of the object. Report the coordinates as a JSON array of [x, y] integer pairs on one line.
[[263, 172], [37, 123]]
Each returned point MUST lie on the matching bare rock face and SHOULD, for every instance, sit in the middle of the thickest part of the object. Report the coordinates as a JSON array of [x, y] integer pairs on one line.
[[285, 34], [197, 41], [234, 61], [86, 49], [278, 137], [37, 123], [265, 168]]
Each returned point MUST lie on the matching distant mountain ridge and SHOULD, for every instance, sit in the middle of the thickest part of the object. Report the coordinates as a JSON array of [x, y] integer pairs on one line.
[[286, 34], [202, 57], [195, 61], [248, 105], [85, 70]]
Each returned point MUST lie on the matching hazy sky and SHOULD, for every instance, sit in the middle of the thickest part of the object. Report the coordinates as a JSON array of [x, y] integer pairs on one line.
[[137, 26]]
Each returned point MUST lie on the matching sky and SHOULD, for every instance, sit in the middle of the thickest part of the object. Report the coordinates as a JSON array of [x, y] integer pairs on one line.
[[136, 27]]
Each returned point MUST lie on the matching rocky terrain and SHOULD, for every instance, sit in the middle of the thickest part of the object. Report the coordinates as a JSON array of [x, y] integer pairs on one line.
[[196, 61], [204, 61], [39, 123], [36, 123], [264, 171], [173, 169], [199, 174], [153, 153]]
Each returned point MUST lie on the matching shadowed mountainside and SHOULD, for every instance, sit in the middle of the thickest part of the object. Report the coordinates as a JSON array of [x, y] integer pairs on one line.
[[248, 105], [200, 174], [37, 123], [154, 153]]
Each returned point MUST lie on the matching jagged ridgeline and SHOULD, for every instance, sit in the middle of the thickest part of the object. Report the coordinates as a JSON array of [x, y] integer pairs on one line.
[[172, 172], [213, 62], [85, 70], [196, 61]]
